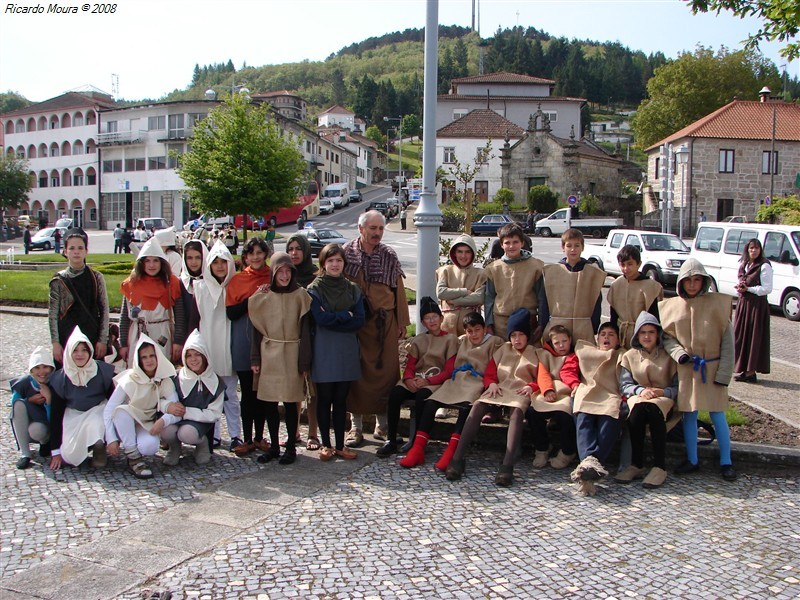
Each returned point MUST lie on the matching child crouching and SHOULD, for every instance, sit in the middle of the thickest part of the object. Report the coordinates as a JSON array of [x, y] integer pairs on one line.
[[30, 406]]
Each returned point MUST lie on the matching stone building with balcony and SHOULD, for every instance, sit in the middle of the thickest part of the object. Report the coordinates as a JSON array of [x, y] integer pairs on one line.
[[59, 140], [737, 156], [284, 102]]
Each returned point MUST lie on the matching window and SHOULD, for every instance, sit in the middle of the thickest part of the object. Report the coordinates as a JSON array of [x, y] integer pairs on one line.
[[709, 239], [460, 112], [111, 126], [736, 240], [112, 166], [43, 181], [633, 240], [77, 121], [616, 240], [155, 163], [657, 174], [91, 179], [172, 162], [156, 123], [195, 117], [726, 161], [777, 248], [176, 129], [449, 154], [77, 180], [765, 166], [551, 116], [134, 164], [93, 215], [55, 181]]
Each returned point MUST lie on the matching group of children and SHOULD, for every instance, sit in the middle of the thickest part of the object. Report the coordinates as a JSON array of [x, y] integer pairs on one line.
[[533, 354]]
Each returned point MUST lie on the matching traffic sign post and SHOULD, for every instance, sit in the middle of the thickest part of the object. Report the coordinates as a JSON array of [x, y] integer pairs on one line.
[[572, 200], [768, 200]]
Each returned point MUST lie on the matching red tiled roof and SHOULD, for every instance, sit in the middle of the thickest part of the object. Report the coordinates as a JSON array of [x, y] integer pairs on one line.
[[493, 97], [65, 101], [481, 123], [502, 77], [336, 108], [744, 120]]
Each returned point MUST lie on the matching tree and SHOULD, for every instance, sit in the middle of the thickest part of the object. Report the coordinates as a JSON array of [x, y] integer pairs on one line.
[[15, 182], [697, 84], [338, 88], [239, 163], [781, 20], [372, 132], [411, 126], [12, 101], [542, 199]]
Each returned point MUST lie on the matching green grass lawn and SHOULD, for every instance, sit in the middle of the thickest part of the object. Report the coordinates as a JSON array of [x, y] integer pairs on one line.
[[33, 287], [733, 416]]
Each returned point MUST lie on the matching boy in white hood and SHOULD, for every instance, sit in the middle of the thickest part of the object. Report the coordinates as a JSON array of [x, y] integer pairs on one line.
[[30, 406], [209, 293]]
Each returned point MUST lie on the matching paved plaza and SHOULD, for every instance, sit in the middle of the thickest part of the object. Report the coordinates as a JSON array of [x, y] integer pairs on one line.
[[370, 529]]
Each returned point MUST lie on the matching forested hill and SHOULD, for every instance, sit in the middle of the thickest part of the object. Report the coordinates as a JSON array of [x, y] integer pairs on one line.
[[383, 75]]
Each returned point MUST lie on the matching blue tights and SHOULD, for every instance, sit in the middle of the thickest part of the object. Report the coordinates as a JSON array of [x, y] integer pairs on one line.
[[723, 436]]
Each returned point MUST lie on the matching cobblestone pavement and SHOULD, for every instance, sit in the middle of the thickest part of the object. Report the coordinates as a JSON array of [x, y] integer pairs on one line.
[[370, 529]]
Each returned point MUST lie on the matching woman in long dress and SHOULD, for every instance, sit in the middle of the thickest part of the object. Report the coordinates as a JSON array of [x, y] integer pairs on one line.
[[751, 321]]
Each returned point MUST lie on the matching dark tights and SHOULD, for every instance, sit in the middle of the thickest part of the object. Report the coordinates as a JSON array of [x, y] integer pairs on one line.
[[642, 415], [566, 428], [398, 396], [253, 411], [473, 424], [274, 423], [332, 395], [428, 416]]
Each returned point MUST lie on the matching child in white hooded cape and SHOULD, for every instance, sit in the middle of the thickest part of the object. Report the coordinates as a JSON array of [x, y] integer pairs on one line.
[[199, 404], [30, 405], [209, 293], [79, 391], [131, 413]]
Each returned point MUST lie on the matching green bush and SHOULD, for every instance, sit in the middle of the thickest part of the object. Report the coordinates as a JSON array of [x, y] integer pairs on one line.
[[782, 210], [452, 218], [542, 199], [504, 196], [590, 205]]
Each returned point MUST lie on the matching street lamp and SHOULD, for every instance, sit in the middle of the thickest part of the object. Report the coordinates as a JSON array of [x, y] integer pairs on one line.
[[682, 156], [400, 147], [210, 94]]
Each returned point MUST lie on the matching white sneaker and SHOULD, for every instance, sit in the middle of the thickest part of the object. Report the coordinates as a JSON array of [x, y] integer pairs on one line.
[[442, 413], [540, 459]]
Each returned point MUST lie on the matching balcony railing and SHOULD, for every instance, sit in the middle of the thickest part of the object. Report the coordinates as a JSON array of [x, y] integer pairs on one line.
[[121, 137]]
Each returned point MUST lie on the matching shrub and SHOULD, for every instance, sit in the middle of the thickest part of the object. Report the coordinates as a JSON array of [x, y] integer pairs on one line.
[[782, 210], [590, 205], [504, 196], [542, 199]]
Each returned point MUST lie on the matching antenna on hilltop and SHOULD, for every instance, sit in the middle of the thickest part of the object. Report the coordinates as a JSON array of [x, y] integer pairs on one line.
[[115, 85]]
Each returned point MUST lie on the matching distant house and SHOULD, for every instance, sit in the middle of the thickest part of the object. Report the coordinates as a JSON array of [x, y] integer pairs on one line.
[[465, 140], [737, 154], [512, 96], [59, 139], [364, 149], [337, 116], [566, 165], [286, 103]]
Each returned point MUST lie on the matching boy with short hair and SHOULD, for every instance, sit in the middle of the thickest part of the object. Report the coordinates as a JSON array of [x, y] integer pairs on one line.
[[512, 376], [560, 360], [514, 281], [569, 287], [632, 293], [597, 406], [461, 285], [430, 361]]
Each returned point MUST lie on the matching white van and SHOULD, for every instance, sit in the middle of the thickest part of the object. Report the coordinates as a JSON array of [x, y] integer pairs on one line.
[[337, 193], [719, 246]]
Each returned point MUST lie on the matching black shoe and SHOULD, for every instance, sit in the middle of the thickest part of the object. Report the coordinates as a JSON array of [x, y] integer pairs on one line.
[[289, 456], [455, 470], [387, 450], [404, 449], [728, 473], [235, 443], [216, 443], [505, 476], [746, 378], [268, 456], [44, 450], [686, 467], [24, 462]]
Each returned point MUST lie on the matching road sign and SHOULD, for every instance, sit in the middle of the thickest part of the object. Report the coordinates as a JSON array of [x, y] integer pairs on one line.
[[767, 200], [572, 200]]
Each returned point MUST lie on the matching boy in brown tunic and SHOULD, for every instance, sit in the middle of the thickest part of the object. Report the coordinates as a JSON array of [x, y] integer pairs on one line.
[[461, 285], [430, 361], [632, 293], [597, 406]]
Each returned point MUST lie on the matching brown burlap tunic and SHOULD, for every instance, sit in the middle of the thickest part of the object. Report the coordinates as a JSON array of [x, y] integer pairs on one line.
[[698, 324], [628, 299], [277, 318], [387, 310], [654, 369], [598, 393], [431, 352], [515, 370], [563, 401], [461, 292], [571, 297], [514, 286], [465, 386]]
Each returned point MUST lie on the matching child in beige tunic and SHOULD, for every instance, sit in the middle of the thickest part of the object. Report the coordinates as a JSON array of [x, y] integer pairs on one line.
[[512, 376], [281, 352], [632, 293], [461, 285]]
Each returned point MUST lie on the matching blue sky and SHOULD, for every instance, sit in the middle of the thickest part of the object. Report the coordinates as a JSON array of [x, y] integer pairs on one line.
[[153, 45]]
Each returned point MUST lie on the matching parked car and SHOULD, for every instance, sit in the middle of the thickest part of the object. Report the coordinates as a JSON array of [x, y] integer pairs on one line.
[[557, 223], [65, 223], [662, 253], [325, 206], [338, 194], [150, 222], [736, 219], [355, 196], [44, 240], [319, 238], [394, 205], [381, 206], [719, 246], [489, 224]]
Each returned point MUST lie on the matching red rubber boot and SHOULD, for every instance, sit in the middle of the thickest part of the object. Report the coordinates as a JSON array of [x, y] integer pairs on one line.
[[416, 456], [444, 462]]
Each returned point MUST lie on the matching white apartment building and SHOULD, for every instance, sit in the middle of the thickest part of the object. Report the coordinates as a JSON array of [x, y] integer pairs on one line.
[[59, 140]]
